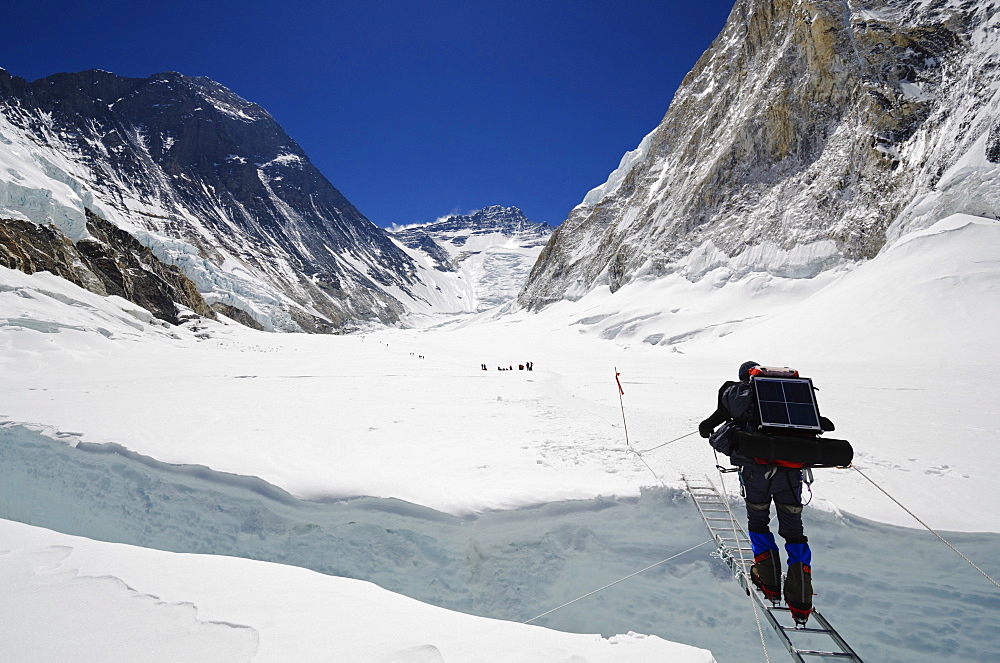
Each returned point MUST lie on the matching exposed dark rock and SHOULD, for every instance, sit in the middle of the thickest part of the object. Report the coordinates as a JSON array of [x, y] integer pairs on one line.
[[236, 314], [993, 144], [31, 248], [418, 239], [492, 219], [130, 270], [111, 262]]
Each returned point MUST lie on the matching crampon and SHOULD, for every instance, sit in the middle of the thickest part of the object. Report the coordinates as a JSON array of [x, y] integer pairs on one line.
[[766, 575]]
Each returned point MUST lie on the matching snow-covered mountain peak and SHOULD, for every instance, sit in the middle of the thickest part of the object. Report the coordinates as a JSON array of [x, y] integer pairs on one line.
[[492, 219], [211, 184], [477, 260]]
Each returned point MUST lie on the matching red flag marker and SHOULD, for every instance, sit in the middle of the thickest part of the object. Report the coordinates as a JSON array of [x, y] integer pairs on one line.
[[621, 392]]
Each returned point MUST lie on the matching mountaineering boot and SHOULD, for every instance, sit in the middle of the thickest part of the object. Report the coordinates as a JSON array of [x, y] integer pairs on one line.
[[766, 570], [798, 582], [799, 592], [766, 574]]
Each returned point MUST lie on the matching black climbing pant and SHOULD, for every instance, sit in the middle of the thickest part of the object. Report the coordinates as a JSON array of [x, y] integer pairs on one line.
[[784, 487]]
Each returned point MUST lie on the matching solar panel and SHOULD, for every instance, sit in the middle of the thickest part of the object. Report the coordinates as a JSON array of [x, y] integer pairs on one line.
[[786, 403]]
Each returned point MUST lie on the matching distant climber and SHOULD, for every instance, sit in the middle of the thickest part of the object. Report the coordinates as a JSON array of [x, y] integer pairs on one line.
[[761, 482]]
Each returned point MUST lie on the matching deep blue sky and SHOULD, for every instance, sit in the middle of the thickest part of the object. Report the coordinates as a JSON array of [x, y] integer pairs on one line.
[[412, 109]]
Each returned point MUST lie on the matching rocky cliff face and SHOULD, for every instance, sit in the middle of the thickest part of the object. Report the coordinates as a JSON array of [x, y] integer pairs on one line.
[[808, 134], [209, 182], [109, 262]]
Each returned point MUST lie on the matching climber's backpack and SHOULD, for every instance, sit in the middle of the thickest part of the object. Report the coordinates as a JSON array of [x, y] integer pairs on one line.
[[781, 421]]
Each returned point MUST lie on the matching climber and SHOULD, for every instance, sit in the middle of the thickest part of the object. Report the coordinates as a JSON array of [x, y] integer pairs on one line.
[[761, 483]]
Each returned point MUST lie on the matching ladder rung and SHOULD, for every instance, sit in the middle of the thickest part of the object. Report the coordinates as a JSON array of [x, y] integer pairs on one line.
[[831, 654]]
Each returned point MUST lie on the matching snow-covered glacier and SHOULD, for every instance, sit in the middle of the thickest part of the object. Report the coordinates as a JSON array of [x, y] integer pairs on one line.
[[476, 261]]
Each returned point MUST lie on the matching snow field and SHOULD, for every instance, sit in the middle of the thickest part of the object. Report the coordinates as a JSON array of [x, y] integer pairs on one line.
[[901, 348], [68, 589]]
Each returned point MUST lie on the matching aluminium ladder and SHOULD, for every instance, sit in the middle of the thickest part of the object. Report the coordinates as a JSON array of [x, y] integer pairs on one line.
[[734, 549]]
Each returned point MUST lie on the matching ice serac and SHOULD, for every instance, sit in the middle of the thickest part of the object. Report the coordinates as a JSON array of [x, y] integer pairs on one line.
[[809, 134], [210, 183]]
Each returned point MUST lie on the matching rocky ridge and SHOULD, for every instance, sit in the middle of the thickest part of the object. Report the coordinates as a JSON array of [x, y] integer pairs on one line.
[[809, 134]]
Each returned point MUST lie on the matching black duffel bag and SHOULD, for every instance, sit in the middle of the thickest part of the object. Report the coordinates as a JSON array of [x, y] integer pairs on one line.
[[813, 451]]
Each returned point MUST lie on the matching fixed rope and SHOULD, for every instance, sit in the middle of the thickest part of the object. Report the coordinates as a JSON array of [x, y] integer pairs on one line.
[[611, 584], [926, 526], [621, 392], [648, 467], [651, 566], [666, 443]]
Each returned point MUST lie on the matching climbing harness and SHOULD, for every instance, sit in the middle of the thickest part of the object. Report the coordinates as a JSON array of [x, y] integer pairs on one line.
[[807, 481]]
